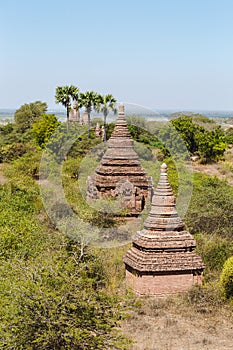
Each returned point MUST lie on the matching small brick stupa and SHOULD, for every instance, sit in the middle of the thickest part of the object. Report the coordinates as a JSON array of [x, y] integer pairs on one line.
[[120, 173], [162, 260]]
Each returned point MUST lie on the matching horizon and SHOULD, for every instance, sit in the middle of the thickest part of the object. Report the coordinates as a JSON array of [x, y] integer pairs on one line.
[[148, 111], [173, 54]]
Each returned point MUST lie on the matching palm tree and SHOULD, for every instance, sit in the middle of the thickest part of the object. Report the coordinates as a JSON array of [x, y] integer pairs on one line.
[[107, 104], [64, 95], [89, 100]]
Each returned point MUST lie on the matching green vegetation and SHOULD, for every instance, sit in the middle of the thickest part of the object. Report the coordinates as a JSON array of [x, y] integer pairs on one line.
[[56, 293], [64, 95], [209, 145], [27, 114], [51, 295], [229, 135], [89, 100], [107, 104], [43, 128], [227, 278]]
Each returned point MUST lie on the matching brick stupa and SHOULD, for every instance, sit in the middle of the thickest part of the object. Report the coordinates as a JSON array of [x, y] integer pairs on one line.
[[120, 173], [162, 260]]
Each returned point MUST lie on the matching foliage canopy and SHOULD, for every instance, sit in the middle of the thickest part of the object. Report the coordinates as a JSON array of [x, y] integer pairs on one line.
[[28, 113]]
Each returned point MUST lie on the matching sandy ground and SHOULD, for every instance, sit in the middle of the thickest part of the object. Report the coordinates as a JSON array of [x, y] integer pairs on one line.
[[180, 329], [3, 180]]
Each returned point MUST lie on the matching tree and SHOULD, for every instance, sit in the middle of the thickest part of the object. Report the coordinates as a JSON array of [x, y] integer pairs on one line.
[[210, 145], [44, 127], [187, 130], [89, 100], [64, 95], [107, 104], [28, 113]]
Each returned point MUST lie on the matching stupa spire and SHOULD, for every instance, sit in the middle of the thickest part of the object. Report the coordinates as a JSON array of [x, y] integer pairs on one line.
[[163, 215], [120, 172], [162, 259]]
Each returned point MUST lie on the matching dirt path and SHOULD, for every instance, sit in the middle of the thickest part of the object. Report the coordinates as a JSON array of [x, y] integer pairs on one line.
[[3, 179], [180, 329]]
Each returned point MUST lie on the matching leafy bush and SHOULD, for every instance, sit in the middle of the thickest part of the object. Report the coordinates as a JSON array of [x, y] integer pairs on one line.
[[145, 137], [27, 165], [210, 145], [20, 232], [6, 129], [214, 251], [44, 127], [57, 302], [227, 278], [210, 209], [229, 135], [12, 151]]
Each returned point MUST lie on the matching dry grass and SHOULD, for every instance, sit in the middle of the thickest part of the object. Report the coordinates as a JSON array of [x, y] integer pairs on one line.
[[222, 169], [175, 324]]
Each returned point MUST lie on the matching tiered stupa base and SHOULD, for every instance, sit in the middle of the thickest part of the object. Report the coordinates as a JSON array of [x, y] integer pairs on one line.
[[120, 174]]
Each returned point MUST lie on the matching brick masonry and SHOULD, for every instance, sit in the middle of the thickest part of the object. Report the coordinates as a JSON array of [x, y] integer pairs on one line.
[[162, 259], [160, 285]]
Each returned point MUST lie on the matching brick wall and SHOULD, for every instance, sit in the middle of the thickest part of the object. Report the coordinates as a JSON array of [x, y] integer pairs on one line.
[[152, 284]]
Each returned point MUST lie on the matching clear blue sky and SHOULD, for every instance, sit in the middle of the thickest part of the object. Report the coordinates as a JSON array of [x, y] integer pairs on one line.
[[165, 54]]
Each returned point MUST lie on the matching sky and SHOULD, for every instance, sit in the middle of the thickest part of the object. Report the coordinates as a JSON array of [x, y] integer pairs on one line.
[[161, 54]]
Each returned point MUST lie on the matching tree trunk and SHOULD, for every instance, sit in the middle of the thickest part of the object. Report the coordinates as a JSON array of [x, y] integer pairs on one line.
[[89, 121], [67, 119], [105, 136]]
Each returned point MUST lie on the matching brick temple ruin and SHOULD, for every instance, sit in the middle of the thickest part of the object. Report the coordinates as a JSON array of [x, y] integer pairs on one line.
[[162, 260], [120, 173]]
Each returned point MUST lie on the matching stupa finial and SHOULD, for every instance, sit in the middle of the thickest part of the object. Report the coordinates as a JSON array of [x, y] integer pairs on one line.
[[121, 108], [164, 168]]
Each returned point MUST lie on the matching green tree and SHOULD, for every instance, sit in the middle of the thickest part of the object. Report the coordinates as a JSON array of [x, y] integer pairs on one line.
[[107, 104], [65, 95], [226, 278], [89, 100], [44, 127], [187, 130], [173, 143], [211, 144], [28, 113]]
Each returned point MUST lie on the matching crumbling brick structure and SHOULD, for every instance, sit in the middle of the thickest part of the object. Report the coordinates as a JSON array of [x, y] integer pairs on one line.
[[120, 173], [162, 260]]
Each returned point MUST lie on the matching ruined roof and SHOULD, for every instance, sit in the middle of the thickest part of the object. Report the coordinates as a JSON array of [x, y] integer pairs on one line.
[[164, 244]]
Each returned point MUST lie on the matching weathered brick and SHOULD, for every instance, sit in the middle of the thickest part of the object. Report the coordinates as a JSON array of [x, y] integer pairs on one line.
[[162, 259]]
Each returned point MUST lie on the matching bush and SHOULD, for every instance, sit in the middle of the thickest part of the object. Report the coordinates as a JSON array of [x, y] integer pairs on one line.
[[210, 209], [57, 302], [214, 251], [25, 166], [229, 135], [44, 127], [13, 151], [204, 298], [226, 278], [210, 145]]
